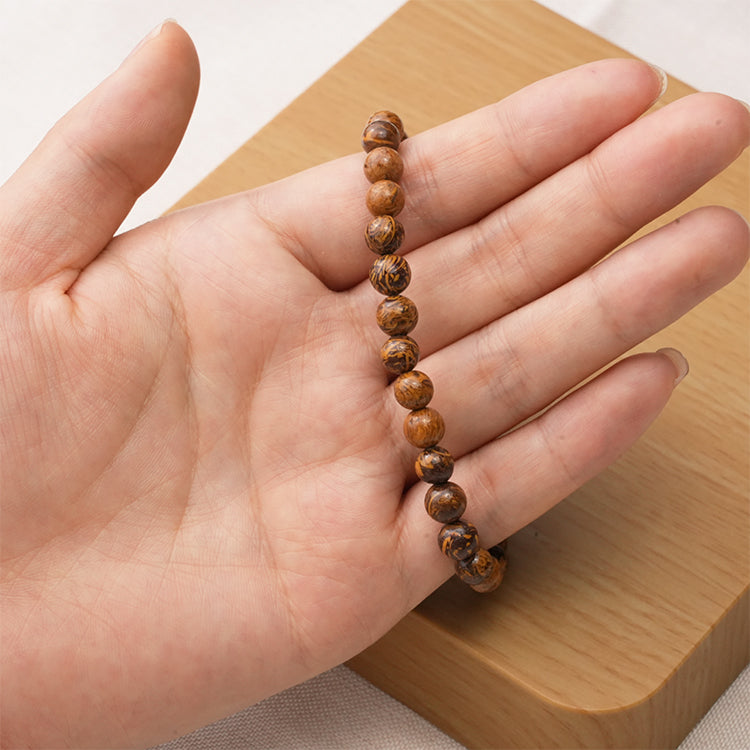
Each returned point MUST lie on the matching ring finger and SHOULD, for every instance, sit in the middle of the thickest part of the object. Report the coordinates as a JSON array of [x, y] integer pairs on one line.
[[509, 370]]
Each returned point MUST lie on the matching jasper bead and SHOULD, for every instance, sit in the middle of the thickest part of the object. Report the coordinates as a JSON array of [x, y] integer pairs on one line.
[[413, 390], [396, 316], [498, 551], [384, 234], [380, 133], [385, 197], [388, 116], [399, 354], [434, 465], [493, 578], [424, 427], [383, 163], [390, 274], [458, 540], [477, 568], [445, 503]]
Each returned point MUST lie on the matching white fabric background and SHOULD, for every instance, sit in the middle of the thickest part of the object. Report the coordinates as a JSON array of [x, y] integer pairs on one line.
[[256, 57]]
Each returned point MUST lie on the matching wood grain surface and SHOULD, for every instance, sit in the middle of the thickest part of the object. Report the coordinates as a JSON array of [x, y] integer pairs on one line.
[[624, 613]]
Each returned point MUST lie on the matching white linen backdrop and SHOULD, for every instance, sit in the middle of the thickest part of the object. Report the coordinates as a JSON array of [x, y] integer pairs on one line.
[[53, 51]]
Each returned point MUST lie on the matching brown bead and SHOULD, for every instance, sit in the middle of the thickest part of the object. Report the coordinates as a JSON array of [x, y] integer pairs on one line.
[[383, 163], [396, 316], [399, 354], [499, 550], [413, 390], [380, 133], [477, 568], [493, 578], [445, 503], [458, 540], [384, 234], [391, 117], [434, 465], [424, 427], [390, 274], [385, 197]]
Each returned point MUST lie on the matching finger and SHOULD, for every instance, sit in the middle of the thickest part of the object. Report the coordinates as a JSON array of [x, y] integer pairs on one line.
[[512, 481], [459, 171], [556, 230], [67, 200], [510, 370]]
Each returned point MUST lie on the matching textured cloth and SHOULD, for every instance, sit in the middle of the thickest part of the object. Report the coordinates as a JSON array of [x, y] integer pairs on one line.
[[339, 710], [727, 725]]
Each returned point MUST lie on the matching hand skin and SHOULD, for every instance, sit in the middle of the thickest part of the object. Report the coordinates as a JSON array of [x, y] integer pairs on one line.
[[206, 496]]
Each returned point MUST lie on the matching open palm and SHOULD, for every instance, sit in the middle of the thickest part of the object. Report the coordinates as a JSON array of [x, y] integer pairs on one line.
[[206, 496]]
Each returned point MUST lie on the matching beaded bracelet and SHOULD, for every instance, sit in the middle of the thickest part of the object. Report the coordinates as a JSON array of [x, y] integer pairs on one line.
[[445, 502]]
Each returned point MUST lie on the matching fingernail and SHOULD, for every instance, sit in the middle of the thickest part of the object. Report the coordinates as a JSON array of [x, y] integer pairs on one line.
[[151, 35], [662, 76], [680, 363]]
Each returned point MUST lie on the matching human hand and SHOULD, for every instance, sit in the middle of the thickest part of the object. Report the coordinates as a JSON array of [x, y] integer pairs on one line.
[[205, 492]]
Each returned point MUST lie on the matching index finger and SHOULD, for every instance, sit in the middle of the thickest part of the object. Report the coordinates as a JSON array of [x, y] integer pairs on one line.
[[460, 171]]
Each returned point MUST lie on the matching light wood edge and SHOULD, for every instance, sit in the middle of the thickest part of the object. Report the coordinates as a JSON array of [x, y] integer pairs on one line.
[[490, 709]]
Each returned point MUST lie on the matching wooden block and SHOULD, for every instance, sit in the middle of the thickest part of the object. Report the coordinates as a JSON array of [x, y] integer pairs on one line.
[[624, 614]]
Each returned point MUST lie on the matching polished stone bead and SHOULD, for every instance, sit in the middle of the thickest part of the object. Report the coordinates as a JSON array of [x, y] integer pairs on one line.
[[396, 316], [385, 197], [390, 274], [380, 133], [413, 390], [478, 568], [399, 354], [458, 540], [493, 576], [499, 550], [424, 427], [383, 163], [388, 116], [434, 465], [445, 502], [384, 234]]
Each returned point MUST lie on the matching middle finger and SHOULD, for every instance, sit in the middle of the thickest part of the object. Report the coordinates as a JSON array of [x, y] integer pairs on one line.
[[559, 228], [506, 372]]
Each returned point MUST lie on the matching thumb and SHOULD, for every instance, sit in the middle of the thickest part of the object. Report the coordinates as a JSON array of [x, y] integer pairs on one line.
[[62, 206]]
